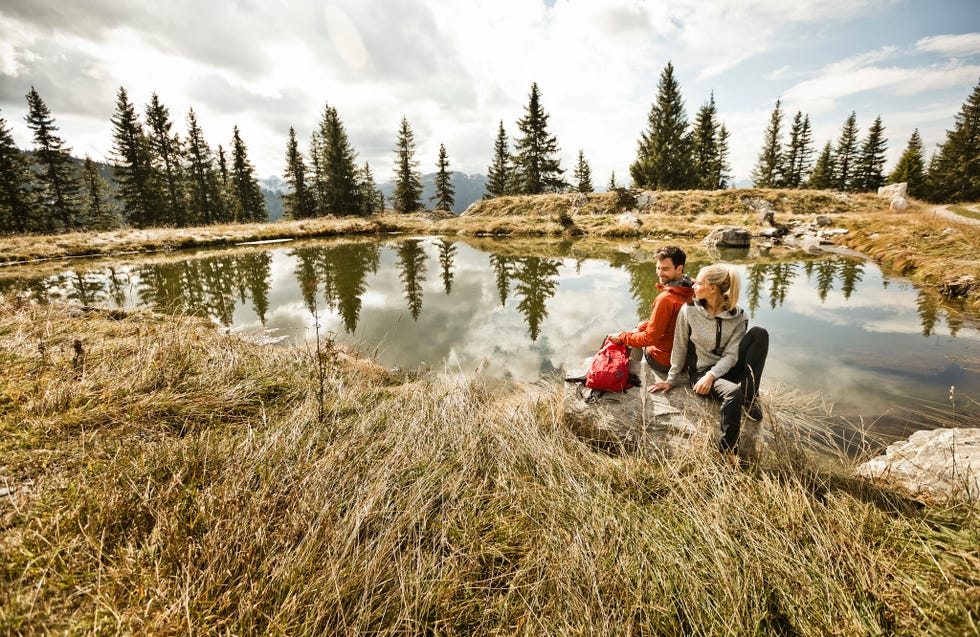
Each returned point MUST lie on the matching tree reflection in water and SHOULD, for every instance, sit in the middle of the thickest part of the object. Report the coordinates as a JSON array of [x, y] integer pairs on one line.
[[342, 269], [411, 264]]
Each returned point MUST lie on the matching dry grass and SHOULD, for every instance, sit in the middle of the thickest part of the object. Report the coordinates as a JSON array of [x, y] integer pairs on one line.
[[169, 479]]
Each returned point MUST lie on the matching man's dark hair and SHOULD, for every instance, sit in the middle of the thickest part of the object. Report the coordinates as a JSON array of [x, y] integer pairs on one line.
[[675, 254]]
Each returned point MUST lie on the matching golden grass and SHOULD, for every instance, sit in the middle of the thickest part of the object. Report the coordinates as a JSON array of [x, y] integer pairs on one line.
[[170, 479]]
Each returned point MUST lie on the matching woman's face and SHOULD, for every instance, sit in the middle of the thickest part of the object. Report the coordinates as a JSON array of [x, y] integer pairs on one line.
[[703, 290]]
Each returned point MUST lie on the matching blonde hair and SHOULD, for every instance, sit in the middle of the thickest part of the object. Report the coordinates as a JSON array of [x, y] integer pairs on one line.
[[726, 279]]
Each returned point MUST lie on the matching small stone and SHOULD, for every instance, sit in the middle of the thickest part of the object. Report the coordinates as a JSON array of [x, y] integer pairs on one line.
[[899, 204]]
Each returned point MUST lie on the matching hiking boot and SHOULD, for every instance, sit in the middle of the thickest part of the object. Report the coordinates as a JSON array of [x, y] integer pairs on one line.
[[754, 412]]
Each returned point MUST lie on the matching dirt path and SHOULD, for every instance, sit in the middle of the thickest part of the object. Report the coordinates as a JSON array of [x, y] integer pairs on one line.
[[944, 211]]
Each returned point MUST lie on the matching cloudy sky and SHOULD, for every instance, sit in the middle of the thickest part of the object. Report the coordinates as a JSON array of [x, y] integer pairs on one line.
[[456, 69]]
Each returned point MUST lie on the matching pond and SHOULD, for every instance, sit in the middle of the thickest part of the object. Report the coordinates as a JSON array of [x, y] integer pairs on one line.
[[884, 353]]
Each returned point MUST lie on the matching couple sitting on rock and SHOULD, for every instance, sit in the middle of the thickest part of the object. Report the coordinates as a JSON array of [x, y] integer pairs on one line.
[[698, 326]]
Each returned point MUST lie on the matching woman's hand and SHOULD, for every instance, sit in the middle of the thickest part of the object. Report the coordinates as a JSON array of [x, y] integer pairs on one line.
[[663, 386], [704, 385]]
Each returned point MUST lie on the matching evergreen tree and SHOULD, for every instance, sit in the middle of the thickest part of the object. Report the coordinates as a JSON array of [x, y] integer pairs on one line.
[[663, 158], [19, 211], [911, 167], [299, 203], [97, 212], [318, 185], [582, 174], [499, 173], [723, 176], [408, 180], [799, 152], [133, 172], [769, 171], [870, 165], [248, 203], [444, 185], [167, 154], [205, 203], [370, 197], [708, 164], [612, 181], [956, 174], [822, 177], [57, 175], [337, 163], [845, 155], [536, 165]]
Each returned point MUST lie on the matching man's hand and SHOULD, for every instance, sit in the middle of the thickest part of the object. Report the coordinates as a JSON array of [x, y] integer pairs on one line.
[[614, 338], [663, 386], [704, 385]]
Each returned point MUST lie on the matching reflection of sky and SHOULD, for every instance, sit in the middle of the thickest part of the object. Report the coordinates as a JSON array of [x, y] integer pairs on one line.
[[863, 353]]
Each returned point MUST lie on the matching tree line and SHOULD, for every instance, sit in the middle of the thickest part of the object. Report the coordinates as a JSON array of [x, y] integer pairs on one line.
[[161, 178]]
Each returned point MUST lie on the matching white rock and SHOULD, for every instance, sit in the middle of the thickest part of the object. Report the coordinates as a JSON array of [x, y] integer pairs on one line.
[[893, 190], [943, 464], [629, 219], [728, 237], [899, 203]]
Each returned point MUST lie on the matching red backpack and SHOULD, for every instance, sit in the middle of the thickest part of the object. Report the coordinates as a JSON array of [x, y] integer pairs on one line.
[[610, 369]]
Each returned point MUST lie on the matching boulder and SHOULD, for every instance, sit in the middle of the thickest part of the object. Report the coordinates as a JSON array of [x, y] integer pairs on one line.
[[942, 464], [823, 220], [728, 237], [899, 203], [645, 199], [893, 190], [629, 219]]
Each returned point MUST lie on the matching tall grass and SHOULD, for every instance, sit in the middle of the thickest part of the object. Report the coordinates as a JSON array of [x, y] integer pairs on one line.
[[180, 482]]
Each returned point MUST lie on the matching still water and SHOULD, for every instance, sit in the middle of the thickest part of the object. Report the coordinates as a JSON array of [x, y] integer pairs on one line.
[[877, 348]]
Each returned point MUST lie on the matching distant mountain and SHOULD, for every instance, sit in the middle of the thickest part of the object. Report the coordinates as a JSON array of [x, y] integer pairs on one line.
[[469, 188]]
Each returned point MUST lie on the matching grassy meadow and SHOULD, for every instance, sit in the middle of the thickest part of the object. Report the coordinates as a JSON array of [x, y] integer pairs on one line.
[[162, 477]]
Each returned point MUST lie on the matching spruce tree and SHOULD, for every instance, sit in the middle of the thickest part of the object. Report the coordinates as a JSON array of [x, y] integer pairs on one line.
[[56, 175], [663, 157], [723, 175], [499, 173], [911, 167], [705, 150], [371, 199], [408, 181], [337, 162], [822, 177], [956, 173], [131, 167], [870, 165], [537, 168], [298, 203], [845, 155], [799, 152], [444, 184], [205, 203], [168, 156], [249, 205], [97, 211], [612, 181], [19, 210], [582, 175], [768, 171], [318, 178]]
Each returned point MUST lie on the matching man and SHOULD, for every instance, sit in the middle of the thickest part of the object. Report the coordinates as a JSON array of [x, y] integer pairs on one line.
[[657, 333]]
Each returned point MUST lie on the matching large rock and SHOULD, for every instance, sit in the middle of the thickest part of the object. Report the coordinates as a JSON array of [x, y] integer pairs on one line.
[[941, 464], [893, 190], [899, 204], [728, 237]]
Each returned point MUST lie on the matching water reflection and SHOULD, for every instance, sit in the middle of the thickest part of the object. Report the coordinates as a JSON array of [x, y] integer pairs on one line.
[[838, 326]]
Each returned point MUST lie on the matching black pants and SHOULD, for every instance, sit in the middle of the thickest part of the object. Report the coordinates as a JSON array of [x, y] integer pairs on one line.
[[740, 386], [663, 369]]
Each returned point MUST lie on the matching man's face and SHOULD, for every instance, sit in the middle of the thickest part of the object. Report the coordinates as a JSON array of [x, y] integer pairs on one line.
[[666, 271]]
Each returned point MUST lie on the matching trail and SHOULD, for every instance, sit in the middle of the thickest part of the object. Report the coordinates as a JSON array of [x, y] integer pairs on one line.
[[944, 211]]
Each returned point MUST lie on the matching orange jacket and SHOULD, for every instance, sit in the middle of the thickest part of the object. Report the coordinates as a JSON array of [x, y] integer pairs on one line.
[[657, 333]]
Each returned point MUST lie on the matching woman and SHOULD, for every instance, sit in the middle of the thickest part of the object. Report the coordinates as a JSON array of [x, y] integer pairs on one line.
[[721, 357]]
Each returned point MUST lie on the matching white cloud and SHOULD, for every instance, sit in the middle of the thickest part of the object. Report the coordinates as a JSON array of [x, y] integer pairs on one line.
[[965, 44]]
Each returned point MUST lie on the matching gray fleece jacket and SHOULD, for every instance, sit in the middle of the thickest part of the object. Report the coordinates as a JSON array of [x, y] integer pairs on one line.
[[715, 339]]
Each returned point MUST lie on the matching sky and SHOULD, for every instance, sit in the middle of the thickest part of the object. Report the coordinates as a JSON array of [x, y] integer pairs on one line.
[[456, 70]]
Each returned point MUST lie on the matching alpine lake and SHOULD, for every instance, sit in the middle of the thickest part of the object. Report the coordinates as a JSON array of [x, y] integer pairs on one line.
[[883, 354]]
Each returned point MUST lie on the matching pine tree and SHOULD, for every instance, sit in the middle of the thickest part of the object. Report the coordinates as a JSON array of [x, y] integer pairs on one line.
[[956, 174], [167, 154], [57, 175], [249, 205], [337, 164], [205, 203], [133, 172], [707, 163], [845, 155], [299, 202], [799, 152], [368, 193], [663, 158], [911, 167], [444, 185], [408, 180], [582, 174], [612, 181], [97, 212], [723, 175], [537, 168], [870, 165], [769, 171], [822, 177], [19, 211], [499, 173]]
